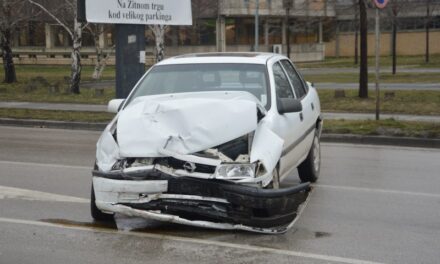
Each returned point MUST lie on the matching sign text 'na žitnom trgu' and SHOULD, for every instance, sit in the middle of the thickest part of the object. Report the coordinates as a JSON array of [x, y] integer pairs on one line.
[[147, 12]]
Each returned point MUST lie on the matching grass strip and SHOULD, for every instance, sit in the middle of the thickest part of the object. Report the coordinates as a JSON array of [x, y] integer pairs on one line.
[[388, 127], [403, 102], [92, 117], [17, 92]]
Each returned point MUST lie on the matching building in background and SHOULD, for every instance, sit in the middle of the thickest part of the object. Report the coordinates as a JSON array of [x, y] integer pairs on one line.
[[317, 28], [412, 17]]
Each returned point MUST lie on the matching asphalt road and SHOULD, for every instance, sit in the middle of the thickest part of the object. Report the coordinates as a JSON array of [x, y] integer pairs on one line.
[[373, 204]]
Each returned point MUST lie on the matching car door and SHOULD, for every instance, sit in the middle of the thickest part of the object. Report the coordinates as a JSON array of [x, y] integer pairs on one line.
[[289, 126], [310, 107]]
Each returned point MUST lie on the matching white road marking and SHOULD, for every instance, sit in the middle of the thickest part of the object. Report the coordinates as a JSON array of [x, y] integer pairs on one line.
[[31, 195], [348, 188], [47, 165], [254, 248]]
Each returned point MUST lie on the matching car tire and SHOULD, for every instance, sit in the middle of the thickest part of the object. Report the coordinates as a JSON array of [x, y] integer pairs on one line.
[[309, 169], [97, 214]]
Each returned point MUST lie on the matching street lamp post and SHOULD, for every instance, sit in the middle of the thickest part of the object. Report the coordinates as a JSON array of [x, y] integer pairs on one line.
[[257, 11]]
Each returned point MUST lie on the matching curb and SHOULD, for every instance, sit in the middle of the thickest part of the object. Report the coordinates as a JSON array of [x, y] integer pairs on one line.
[[331, 138]]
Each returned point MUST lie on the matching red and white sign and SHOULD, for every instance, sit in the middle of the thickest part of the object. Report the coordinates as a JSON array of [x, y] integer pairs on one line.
[[380, 3]]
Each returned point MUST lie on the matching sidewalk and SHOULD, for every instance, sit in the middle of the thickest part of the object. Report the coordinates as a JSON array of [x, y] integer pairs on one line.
[[383, 86], [103, 108], [383, 69]]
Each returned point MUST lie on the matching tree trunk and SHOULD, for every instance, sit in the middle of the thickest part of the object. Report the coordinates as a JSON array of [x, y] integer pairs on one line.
[[98, 64], [427, 32], [159, 35], [427, 43], [356, 44], [356, 34], [394, 44], [8, 62], [76, 59], [363, 73]]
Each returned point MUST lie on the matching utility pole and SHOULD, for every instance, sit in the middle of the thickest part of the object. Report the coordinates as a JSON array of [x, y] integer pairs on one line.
[[380, 4], [288, 29], [377, 64]]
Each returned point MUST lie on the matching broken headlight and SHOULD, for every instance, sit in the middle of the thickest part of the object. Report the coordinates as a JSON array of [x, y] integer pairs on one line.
[[236, 171]]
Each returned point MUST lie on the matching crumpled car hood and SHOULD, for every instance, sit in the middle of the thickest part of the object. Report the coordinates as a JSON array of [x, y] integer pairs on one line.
[[184, 124]]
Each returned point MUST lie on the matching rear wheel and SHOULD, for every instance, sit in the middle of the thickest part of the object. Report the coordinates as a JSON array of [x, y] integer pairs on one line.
[[309, 169], [97, 214]]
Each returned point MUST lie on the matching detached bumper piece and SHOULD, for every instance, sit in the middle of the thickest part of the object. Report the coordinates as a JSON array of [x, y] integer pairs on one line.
[[207, 203]]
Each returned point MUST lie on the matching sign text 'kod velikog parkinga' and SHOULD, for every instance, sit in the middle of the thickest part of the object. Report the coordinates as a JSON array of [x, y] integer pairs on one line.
[[148, 12]]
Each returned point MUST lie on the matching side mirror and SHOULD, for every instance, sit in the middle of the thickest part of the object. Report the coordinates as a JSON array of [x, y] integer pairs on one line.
[[289, 105], [114, 105]]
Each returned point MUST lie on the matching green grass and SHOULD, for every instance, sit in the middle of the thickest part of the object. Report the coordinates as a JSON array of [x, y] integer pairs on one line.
[[53, 74], [402, 61], [56, 72], [16, 92], [385, 78], [55, 115], [404, 102], [387, 127]]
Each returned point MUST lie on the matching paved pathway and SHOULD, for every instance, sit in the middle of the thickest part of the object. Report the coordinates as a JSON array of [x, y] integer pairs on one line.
[[315, 71], [383, 86], [103, 108]]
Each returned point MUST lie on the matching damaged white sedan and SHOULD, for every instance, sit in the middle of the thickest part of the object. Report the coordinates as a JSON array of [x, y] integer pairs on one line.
[[206, 139]]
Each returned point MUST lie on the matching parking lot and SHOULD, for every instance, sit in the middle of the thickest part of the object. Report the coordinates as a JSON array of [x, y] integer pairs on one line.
[[372, 204]]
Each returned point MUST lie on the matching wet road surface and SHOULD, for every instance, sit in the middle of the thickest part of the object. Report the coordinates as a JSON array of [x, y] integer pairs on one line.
[[372, 204]]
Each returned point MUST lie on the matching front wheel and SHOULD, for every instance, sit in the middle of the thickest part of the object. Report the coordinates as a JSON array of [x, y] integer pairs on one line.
[[309, 169], [97, 214]]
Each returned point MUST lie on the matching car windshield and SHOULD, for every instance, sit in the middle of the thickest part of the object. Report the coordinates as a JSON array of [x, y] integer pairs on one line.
[[185, 78]]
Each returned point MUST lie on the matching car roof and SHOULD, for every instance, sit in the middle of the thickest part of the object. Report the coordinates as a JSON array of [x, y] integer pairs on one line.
[[224, 57]]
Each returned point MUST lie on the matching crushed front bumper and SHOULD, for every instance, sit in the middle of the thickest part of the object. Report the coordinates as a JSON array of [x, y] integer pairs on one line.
[[200, 202]]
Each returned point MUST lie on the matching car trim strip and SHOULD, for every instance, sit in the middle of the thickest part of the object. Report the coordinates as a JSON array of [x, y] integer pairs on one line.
[[296, 143]]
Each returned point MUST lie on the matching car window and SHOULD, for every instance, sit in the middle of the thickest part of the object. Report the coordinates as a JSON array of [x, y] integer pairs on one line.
[[295, 79], [282, 85], [198, 77]]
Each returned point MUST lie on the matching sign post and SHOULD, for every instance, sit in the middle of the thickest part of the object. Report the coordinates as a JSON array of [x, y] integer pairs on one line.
[[130, 18], [380, 4]]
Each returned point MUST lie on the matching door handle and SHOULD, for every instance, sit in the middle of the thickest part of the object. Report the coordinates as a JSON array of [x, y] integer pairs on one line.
[[301, 116], [313, 106]]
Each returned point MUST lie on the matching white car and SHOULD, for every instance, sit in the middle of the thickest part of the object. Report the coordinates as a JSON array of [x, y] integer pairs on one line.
[[206, 139]]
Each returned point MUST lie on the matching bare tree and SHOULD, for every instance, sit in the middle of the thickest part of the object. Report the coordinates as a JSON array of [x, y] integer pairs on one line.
[[101, 56], [159, 36], [396, 8], [431, 6], [65, 15], [200, 9], [356, 33], [12, 15]]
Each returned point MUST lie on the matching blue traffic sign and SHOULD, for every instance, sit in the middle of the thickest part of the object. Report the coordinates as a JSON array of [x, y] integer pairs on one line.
[[381, 3]]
